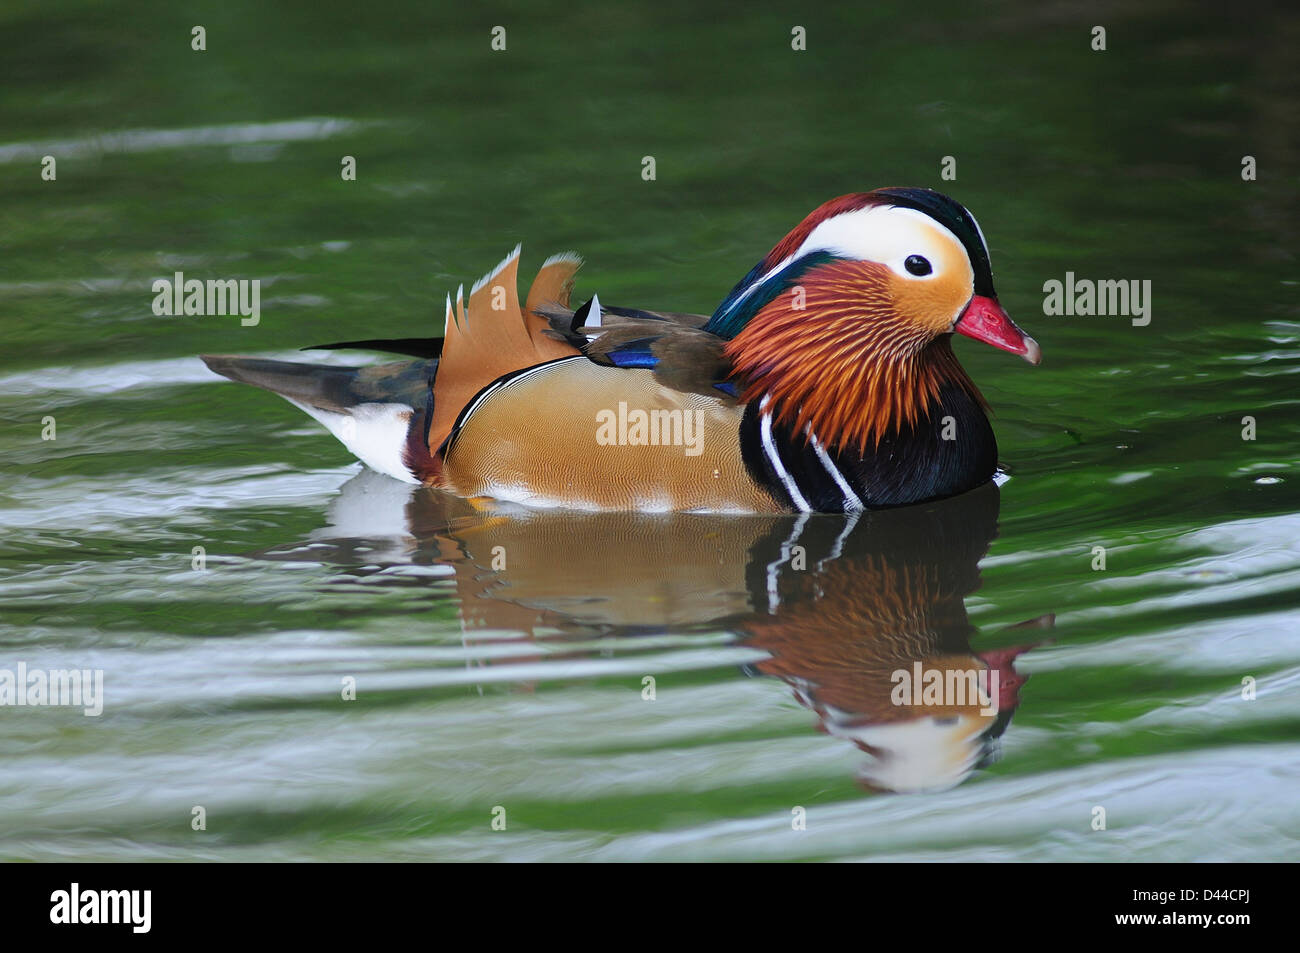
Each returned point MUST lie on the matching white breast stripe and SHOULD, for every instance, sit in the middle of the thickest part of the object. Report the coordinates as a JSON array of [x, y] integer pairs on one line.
[[852, 502], [769, 450]]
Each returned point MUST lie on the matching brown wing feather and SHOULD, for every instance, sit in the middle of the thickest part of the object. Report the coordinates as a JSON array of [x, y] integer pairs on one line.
[[551, 288], [491, 337], [690, 358]]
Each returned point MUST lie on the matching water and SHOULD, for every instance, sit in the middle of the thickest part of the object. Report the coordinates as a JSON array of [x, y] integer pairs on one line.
[[523, 687]]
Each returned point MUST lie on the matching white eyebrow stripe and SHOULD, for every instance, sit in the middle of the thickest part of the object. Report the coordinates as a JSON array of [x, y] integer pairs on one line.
[[849, 235]]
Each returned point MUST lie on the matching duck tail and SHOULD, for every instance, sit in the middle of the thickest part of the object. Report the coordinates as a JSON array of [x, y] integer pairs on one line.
[[396, 417], [378, 411]]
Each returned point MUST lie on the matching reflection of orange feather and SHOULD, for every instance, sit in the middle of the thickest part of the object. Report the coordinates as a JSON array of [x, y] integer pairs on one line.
[[846, 363], [871, 618]]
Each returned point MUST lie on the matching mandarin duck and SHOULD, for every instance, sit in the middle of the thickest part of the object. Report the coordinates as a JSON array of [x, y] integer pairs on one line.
[[824, 381]]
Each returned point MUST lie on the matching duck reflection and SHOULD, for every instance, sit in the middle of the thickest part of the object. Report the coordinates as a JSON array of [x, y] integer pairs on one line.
[[862, 615]]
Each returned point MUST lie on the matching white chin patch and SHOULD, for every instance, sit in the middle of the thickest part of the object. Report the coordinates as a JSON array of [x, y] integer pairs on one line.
[[374, 433]]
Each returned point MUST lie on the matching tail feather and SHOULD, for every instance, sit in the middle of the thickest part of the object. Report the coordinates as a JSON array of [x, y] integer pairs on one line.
[[413, 347], [327, 387], [372, 410]]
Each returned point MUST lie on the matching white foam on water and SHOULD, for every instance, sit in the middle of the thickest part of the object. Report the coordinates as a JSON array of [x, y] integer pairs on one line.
[[165, 372], [130, 141]]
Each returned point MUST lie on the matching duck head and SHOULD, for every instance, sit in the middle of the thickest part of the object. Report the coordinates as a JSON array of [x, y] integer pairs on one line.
[[846, 324]]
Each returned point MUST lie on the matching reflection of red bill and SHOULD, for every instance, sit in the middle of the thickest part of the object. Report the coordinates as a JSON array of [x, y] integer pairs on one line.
[[986, 320], [1001, 662]]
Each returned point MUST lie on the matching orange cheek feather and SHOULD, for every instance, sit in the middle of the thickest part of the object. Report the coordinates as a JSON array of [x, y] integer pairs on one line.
[[850, 365]]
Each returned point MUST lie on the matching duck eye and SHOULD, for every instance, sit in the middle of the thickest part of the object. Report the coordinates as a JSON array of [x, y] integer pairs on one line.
[[917, 265]]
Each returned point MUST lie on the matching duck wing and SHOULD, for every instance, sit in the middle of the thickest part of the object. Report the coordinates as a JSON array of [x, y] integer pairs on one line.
[[682, 355]]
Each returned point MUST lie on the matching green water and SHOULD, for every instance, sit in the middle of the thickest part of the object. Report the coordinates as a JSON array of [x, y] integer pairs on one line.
[[522, 687]]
